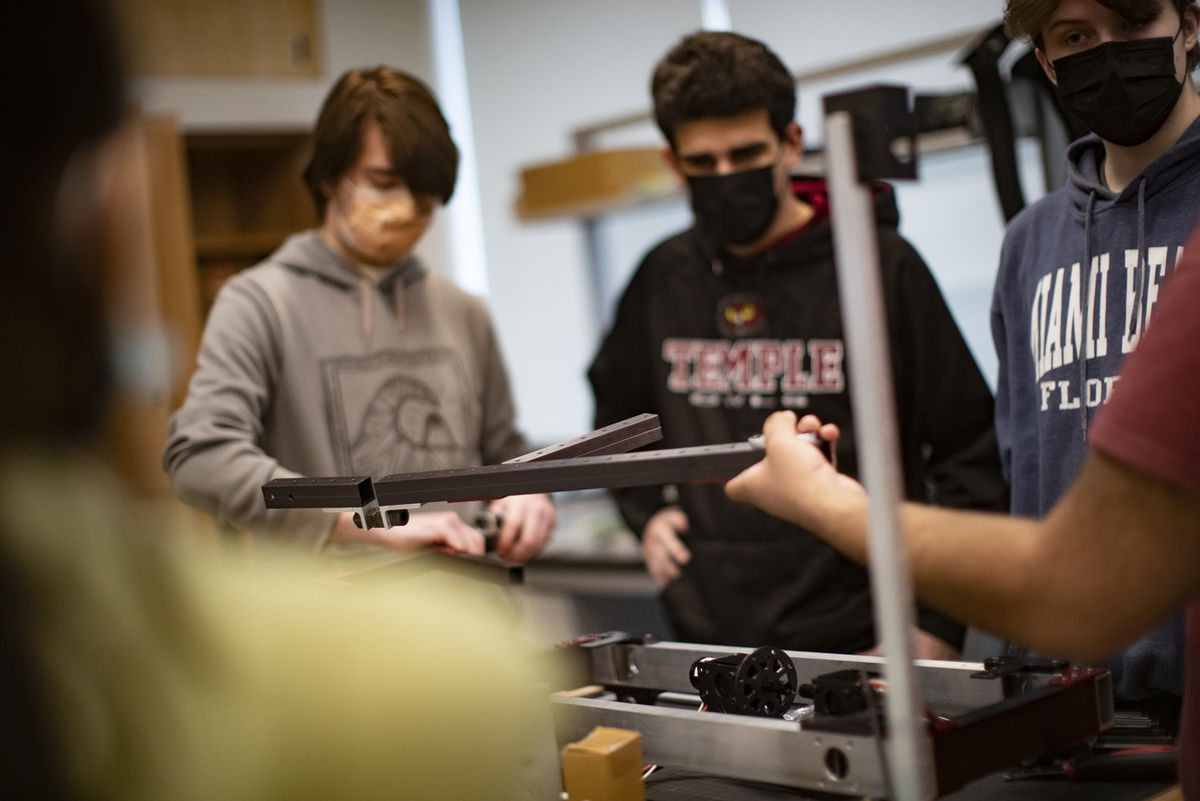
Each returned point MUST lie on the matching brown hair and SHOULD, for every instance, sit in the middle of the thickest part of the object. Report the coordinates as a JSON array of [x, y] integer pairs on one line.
[[1027, 17], [717, 74], [422, 151]]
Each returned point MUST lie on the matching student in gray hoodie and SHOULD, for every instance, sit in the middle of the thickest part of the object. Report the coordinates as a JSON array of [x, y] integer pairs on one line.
[[1081, 270], [342, 354]]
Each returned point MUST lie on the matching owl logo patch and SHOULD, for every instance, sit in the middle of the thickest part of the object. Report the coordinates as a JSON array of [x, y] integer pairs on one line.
[[740, 315]]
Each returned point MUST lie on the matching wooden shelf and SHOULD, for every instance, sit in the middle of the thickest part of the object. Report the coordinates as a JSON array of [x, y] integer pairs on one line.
[[247, 192], [595, 182], [598, 207], [247, 196]]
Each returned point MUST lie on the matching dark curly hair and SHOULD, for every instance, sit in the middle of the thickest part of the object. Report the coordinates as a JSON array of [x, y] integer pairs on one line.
[[711, 74]]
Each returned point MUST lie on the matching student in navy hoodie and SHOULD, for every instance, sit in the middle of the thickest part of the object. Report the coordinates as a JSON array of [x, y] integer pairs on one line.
[[1081, 270]]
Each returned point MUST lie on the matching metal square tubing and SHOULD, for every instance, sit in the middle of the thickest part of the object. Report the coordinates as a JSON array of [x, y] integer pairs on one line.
[[621, 437], [671, 466]]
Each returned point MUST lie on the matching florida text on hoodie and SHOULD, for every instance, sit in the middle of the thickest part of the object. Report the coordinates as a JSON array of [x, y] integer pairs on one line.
[[713, 348], [307, 367], [1081, 273]]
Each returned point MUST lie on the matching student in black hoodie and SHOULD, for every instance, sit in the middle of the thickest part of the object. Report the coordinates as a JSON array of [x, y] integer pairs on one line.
[[738, 317]]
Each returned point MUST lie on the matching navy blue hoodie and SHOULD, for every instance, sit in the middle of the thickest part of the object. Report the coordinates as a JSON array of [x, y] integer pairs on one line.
[[1081, 270]]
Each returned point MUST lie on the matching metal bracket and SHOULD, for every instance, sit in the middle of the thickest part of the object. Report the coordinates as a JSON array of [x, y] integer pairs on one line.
[[882, 118]]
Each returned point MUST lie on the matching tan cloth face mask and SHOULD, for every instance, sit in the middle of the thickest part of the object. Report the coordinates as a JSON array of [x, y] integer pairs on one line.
[[380, 224]]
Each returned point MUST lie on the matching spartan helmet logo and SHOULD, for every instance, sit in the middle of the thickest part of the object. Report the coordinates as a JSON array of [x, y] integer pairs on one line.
[[740, 315], [403, 431]]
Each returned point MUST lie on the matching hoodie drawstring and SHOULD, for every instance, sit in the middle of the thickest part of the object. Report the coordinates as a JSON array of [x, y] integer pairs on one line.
[[1083, 345], [1142, 266], [366, 288], [398, 302], [368, 322]]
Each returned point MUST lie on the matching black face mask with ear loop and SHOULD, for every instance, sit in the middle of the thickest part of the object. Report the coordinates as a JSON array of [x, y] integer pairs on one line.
[[1122, 91], [734, 209]]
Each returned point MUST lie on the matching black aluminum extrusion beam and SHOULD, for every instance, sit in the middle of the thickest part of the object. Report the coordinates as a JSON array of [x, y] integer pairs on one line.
[[329, 492], [670, 466], [621, 437]]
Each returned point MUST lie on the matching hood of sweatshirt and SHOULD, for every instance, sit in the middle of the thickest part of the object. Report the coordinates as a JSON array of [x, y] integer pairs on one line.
[[307, 252], [1085, 184]]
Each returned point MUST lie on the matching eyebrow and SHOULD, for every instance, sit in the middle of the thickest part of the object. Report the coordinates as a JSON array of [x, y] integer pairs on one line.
[[749, 149], [740, 150], [1064, 22], [1123, 18]]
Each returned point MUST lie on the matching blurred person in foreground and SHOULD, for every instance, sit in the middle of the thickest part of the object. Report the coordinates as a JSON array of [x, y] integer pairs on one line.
[[136, 667]]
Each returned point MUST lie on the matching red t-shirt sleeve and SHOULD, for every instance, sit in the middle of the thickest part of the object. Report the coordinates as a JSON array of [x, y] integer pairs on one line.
[[1152, 421]]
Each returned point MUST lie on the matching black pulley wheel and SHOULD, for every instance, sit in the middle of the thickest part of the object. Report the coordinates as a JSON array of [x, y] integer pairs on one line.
[[765, 683]]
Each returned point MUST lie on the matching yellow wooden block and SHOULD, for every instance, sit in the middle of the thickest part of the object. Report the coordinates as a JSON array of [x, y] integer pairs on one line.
[[604, 766]]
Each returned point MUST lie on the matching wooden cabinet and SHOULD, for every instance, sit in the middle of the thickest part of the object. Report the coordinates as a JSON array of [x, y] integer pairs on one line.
[[211, 38], [247, 195], [210, 204]]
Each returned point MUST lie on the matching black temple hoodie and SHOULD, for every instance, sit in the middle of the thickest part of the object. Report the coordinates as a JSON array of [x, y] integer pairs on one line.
[[714, 346]]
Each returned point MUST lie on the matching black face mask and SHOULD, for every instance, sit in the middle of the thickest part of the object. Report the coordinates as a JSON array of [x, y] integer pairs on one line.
[[1123, 91], [734, 209]]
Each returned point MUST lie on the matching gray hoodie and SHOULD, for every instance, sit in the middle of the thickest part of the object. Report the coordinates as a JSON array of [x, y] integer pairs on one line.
[[309, 368]]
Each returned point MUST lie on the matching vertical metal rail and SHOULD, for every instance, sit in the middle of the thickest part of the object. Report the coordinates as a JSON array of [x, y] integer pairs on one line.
[[910, 763]]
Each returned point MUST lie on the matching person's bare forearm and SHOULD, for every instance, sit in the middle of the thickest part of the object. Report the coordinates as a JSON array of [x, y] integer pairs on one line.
[[981, 568], [1102, 568], [1006, 576], [1117, 555], [973, 566]]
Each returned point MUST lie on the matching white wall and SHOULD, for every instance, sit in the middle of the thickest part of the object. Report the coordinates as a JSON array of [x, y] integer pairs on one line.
[[814, 34], [538, 69]]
